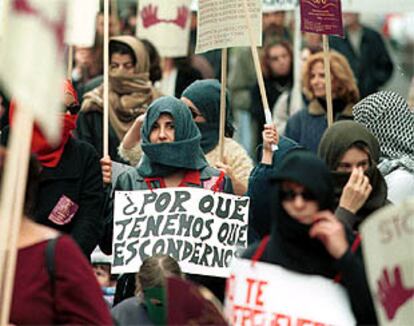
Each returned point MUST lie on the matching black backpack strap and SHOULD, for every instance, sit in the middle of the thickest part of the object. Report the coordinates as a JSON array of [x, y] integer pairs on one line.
[[50, 261]]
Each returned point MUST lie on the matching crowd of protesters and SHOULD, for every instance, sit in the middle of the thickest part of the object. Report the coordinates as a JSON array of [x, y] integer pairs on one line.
[[164, 116]]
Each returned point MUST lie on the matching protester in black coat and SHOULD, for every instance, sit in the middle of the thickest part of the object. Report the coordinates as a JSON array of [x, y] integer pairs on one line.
[[366, 53], [70, 197], [259, 189], [306, 237]]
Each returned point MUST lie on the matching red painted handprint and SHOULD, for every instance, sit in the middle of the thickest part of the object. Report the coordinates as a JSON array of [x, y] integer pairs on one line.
[[393, 295], [149, 15], [182, 16]]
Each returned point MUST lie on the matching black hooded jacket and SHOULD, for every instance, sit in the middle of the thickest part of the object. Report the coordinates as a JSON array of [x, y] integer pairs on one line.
[[291, 247]]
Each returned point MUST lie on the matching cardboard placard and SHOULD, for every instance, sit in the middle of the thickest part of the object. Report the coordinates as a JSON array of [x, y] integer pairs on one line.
[[201, 229], [222, 24], [32, 59], [322, 17], [266, 294], [81, 22], [388, 246], [378, 7], [279, 5], [166, 24]]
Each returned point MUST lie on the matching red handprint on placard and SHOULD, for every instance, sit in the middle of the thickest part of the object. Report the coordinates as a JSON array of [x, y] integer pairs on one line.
[[149, 15], [393, 295], [182, 17]]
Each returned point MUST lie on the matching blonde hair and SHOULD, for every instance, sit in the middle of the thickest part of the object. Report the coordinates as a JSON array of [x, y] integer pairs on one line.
[[346, 87], [153, 271]]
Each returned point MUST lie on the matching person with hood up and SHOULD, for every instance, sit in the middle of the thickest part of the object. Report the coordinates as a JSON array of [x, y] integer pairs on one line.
[[203, 99], [130, 94], [307, 126], [387, 115], [306, 237], [172, 157], [352, 153]]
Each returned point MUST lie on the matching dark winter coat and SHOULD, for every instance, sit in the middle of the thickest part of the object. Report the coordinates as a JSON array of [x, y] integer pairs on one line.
[[78, 176], [307, 126], [372, 67], [89, 128], [259, 191]]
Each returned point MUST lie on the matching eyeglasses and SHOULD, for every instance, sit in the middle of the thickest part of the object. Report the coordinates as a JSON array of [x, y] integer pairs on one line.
[[290, 195]]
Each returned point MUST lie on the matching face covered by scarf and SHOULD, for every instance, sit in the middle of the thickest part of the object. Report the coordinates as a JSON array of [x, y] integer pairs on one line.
[[205, 95], [49, 155], [390, 119], [290, 245], [164, 159], [129, 94], [335, 142]]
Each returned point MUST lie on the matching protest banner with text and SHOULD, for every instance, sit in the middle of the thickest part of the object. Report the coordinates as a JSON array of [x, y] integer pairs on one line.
[[265, 294], [388, 245], [222, 24], [200, 228], [166, 24]]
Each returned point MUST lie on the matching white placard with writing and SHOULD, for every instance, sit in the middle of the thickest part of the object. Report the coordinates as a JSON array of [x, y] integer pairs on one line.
[[377, 6], [266, 294], [279, 5], [222, 24], [166, 24], [388, 246], [200, 228]]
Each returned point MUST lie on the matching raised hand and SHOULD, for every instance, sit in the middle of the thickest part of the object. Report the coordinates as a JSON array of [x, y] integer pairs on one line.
[[393, 295], [106, 166], [149, 15], [356, 191]]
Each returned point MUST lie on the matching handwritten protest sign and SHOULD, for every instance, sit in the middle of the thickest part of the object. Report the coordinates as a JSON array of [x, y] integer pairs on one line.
[[266, 294], [388, 246], [322, 17], [199, 228], [279, 5], [222, 24], [166, 24]]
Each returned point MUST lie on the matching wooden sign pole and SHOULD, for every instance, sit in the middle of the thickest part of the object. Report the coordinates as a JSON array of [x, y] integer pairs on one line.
[[258, 68], [224, 55], [70, 63], [106, 80], [328, 79], [15, 177]]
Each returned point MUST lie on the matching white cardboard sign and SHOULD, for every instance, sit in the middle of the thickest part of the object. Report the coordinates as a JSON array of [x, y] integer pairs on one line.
[[222, 24], [388, 246], [377, 6], [166, 23], [279, 5], [81, 22], [266, 294], [200, 228]]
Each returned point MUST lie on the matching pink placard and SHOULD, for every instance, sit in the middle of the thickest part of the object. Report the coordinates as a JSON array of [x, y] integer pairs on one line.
[[64, 211], [321, 17]]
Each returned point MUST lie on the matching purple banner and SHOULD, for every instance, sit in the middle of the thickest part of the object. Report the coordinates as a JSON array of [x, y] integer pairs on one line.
[[321, 17]]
